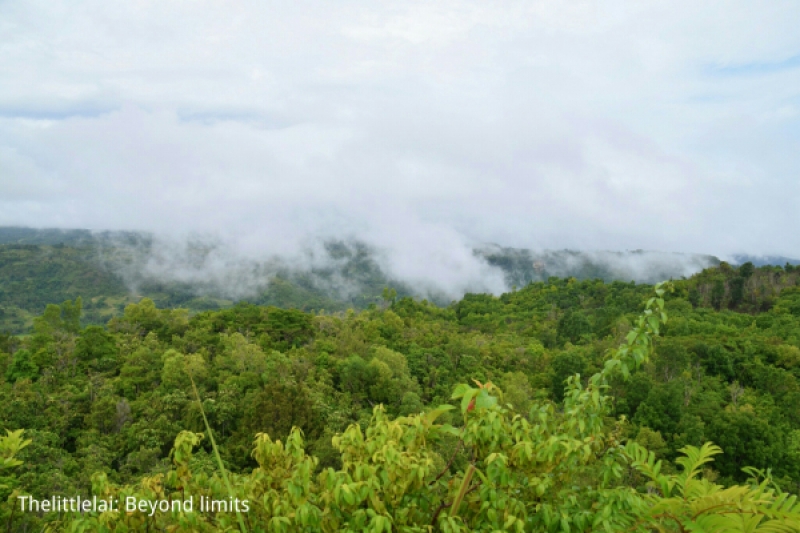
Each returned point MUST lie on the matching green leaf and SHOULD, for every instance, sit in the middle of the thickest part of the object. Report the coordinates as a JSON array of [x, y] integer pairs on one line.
[[485, 400], [460, 390], [467, 398], [431, 416]]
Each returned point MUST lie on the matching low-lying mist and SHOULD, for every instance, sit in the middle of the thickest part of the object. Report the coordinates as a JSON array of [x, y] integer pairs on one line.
[[437, 265], [344, 269], [439, 269]]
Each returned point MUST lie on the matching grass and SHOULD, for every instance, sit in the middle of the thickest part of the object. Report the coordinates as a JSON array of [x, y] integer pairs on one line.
[[216, 454]]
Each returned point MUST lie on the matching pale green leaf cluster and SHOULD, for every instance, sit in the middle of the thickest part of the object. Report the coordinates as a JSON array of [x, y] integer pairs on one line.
[[10, 445]]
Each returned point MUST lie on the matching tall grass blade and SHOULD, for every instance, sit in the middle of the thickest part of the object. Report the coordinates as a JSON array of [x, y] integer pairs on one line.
[[216, 454]]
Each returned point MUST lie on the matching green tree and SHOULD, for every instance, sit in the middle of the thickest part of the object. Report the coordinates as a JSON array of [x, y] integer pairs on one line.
[[717, 294], [746, 270], [22, 367], [564, 366]]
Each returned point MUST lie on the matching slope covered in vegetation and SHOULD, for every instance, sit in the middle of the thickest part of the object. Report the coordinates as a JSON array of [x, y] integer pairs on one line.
[[109, 270], [33, 275], [113, 399]]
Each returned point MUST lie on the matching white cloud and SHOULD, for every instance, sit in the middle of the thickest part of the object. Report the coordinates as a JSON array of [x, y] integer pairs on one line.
[[421, 126]]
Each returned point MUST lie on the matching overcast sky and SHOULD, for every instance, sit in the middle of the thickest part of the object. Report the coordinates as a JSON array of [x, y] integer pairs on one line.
[[664, 125]]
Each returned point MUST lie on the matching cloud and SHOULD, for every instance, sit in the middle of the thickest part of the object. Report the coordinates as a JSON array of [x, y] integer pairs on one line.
[[421, 128], [754, 69]]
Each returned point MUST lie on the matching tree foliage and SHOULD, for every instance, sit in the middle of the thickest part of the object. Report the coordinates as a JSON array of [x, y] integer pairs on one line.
[[493, 414]]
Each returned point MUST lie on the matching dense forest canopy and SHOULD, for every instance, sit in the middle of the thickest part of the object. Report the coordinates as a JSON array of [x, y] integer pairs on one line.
[[111, 400]]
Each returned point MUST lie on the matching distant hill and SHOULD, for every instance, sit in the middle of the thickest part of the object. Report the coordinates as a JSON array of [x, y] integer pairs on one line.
[[112, 269], [20, 235], [765, 260], [109, 270], [32, 275], [523, 266]]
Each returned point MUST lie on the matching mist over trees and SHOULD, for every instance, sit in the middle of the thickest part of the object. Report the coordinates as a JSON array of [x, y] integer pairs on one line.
[[111, 409], [112, 269]]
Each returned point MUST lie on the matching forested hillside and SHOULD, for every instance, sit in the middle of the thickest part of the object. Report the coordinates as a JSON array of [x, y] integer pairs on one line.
[[110, 270], [109, 277], [104, 405]]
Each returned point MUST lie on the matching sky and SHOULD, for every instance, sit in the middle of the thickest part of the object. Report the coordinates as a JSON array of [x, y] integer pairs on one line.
[[421, 126]]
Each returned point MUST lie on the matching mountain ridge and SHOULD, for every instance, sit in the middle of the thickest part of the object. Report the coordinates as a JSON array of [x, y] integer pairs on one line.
[[111, 269]]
